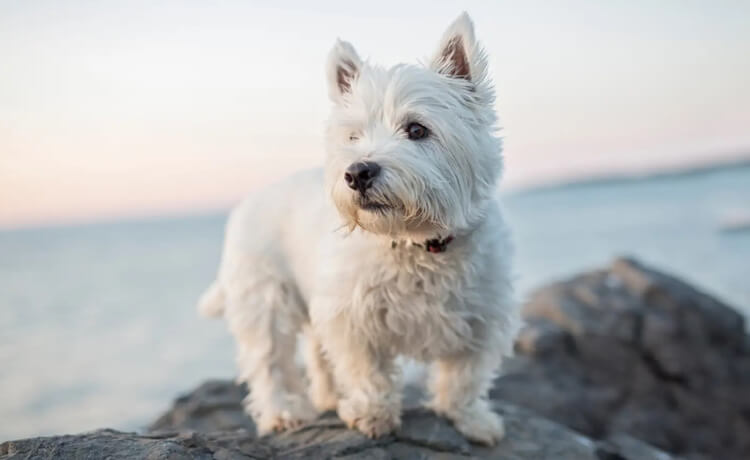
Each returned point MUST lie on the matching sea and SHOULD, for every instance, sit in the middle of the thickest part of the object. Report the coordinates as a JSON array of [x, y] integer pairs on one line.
[[98, 326]]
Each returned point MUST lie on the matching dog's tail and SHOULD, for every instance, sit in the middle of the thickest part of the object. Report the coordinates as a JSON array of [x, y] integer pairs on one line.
[[212, 301]]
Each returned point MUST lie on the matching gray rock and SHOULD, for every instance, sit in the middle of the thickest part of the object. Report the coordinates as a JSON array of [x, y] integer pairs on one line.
[[632, 353], [423, 435], [213, 406], [629, 447], [110, 444]]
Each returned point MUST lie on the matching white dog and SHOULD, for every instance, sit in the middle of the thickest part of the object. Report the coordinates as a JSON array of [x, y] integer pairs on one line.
[[397, 247]]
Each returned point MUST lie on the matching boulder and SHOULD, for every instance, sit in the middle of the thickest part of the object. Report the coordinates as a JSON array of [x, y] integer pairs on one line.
[[208, 424], [629, 351]]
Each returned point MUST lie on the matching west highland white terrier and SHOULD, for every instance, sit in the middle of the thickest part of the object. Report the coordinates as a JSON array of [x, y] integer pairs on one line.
[[397, 247]]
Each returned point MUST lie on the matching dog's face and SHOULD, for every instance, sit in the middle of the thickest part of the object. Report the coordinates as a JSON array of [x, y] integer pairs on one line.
[[413, 150]]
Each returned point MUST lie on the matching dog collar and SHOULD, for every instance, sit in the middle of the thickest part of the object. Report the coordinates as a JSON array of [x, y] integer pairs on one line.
[[434, 245]]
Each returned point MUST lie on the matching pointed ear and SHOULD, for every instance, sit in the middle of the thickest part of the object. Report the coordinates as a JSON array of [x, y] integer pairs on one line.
[[458, 54], [343, 68]]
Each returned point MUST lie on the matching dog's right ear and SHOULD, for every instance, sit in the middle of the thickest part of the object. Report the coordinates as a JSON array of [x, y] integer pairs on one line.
[[343, 68]]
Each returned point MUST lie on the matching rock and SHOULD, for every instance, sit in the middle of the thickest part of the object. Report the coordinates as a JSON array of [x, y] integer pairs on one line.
[[632, 353], [111, 444], [422, 436], [623, 445], [213, 406]]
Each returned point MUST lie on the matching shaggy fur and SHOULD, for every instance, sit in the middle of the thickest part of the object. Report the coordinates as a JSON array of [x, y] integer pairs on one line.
[[349, 268]]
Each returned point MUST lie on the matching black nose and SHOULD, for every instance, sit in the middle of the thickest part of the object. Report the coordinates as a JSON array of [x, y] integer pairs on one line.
[[360, 176]]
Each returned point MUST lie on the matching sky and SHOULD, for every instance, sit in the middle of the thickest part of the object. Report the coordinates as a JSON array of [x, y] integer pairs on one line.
[[120, 109]]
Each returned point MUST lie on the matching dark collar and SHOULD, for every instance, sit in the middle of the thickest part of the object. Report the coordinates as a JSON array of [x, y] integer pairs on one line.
[[434, 245]]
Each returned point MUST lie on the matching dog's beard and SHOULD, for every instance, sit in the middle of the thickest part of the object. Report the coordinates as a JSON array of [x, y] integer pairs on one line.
[[409, 198], [371, 212], [367, 202], [380, 212]]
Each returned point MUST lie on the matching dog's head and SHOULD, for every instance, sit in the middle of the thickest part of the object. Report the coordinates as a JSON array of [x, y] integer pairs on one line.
[[413, 150]]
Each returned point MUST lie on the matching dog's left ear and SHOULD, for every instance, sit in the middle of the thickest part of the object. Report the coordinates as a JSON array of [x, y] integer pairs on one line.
[[459, 55], [343, 68]]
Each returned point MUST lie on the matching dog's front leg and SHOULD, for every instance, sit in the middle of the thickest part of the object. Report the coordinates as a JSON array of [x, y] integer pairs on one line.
[[323, 392], [369, 383], [459, 385]]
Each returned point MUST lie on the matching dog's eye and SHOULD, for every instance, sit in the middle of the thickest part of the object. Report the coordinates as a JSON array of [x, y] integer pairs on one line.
[[416, 131], [353, 137]]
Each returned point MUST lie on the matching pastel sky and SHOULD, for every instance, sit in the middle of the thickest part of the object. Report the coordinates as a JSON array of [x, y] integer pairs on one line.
[[137, 108]]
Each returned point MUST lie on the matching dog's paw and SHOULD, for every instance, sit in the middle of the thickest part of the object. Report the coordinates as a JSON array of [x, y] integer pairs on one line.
[[374, 426], [274, 423], [372, 420], [479, 425], [294, 414]]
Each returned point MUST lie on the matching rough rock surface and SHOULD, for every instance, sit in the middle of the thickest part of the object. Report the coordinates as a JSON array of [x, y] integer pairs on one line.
[[632, 351], [208, 424], [627, 357]]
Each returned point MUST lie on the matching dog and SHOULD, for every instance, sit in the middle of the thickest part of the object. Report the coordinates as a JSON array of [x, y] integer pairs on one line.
[[396, 248]]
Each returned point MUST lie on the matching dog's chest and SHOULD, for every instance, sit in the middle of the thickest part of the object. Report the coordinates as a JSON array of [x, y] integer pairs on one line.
[[417, 304]]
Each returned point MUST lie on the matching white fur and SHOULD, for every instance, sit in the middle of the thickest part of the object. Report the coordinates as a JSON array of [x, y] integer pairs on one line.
[[303, 256]]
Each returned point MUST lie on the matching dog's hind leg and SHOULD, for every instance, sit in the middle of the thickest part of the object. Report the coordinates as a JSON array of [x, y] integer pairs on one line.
[[265, 314]]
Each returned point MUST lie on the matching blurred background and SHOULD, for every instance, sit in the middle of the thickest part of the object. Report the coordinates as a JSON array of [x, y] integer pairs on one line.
[[128, 129]]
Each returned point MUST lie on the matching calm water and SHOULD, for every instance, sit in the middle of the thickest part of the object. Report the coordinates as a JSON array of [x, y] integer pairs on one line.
[[98, 326]]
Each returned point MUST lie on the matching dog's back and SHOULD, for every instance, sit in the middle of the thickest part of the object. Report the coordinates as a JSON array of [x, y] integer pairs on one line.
[[280, 224]]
